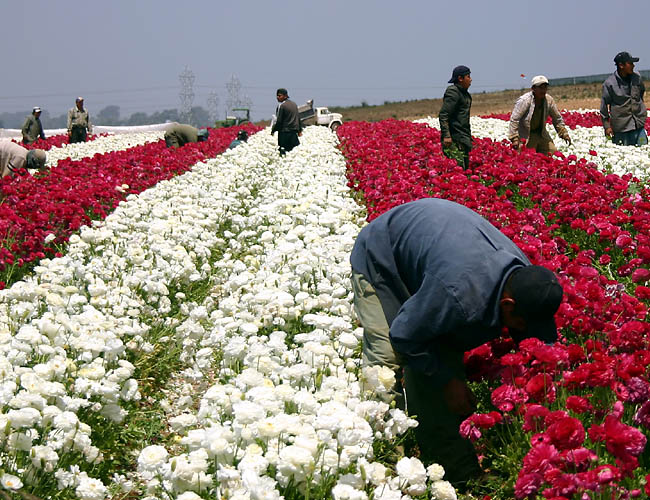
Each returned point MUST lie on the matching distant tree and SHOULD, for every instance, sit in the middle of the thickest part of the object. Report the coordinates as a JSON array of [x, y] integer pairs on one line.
[[110, 115], [167, 115], [139, 118], [200, 116], [50, 122]]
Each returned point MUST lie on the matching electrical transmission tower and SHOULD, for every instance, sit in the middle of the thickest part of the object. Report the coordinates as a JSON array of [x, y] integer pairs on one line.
[[233, 88], [186, 94], [213, 106]]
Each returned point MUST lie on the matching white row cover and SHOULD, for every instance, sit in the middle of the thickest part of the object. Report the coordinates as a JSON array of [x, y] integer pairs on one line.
[[15, 133]]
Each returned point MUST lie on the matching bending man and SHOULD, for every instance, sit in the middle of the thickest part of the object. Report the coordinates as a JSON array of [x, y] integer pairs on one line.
[[433, 279]]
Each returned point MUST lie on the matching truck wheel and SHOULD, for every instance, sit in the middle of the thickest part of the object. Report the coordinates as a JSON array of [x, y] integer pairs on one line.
[[334, 126]]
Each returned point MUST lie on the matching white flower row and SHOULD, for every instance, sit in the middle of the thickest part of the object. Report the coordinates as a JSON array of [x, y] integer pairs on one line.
[[610, 157], [273, 349], [103, 144], [294, 406]]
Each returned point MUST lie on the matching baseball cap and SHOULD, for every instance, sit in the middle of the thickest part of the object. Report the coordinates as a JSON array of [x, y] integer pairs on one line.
[[623, 57], [459, 71], [537, 295], [203, 134], [281, 91], [79, 99], [539, 80], [36, 109], [36, 158]]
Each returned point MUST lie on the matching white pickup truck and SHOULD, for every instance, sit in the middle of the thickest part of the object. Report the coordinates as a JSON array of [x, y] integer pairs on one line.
[[309, 115]]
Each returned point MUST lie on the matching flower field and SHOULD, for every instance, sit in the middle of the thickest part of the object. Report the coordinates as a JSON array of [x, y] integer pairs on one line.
[[179, 323], [85, 181], [562, 421]]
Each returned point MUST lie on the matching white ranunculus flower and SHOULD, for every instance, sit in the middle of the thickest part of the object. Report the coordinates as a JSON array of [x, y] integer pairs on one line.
[[347, 492], [152, 458], [442, 490], [90, 489], [435, 472], [10, 482], [411, 470]]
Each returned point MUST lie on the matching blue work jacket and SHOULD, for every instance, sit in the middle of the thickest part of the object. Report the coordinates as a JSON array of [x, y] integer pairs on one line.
[[439, 270]]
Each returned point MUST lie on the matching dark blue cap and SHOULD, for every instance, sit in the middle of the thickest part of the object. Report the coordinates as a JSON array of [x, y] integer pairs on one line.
[[459, 71]]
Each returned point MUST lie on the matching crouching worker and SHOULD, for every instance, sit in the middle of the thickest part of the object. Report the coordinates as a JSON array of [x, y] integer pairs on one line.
[[179, 134], [433, 279], [528, 119], [242, 136], [13, 158]]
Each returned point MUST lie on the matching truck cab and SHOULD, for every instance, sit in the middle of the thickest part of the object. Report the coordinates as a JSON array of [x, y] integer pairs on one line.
[[318, 116]]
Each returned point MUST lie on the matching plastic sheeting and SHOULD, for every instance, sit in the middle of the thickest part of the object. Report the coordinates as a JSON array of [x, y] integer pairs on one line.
[[15, 133]]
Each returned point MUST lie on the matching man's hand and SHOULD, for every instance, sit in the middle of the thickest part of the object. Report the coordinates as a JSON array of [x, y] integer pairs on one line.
[[446, 142], [609, 132], [567, 139], [459, 397], [516, 145]]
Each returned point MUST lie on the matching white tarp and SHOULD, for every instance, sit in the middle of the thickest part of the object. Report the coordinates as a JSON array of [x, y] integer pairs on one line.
[[15, 133]]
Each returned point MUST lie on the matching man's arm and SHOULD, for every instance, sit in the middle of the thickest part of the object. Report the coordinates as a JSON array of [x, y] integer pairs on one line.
[[279, 119], [70, 114], [605, 103], [449, 104], [521, 108], [432, 312], [89, 125], [25, 129], [558, 121]]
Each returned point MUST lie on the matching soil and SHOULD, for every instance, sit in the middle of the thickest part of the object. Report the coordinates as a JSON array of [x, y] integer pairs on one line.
[[580, 96]]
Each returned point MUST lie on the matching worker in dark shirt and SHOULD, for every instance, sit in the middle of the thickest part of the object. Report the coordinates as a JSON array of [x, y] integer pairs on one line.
[[242, 136], [287, 123], [455, 130], [433, 279]]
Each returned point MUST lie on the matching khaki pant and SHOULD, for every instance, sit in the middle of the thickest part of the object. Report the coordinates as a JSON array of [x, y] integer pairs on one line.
[[541, 144], [437, 432]]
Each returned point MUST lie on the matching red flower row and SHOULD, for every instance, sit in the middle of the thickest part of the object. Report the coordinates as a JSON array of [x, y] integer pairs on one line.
[[73, 193], [582, 404], [54, 141]]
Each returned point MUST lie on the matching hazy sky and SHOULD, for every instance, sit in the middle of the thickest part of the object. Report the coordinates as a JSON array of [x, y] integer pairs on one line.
[[338, 52]]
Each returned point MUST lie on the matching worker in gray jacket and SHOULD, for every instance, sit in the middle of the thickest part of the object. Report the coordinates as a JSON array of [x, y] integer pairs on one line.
[[431, 280], [179, 134], [621, 107], [33, 128], [14, 158], [79, 126], [287, 123]]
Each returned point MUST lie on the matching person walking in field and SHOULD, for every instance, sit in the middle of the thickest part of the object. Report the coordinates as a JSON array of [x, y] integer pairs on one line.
[[32, 128], [528, 119], [14, 157], [287, 123], [179, 134], [455, 131], [79, 126], [431, 280], [621, 107]]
